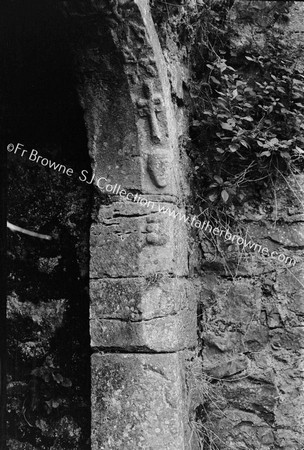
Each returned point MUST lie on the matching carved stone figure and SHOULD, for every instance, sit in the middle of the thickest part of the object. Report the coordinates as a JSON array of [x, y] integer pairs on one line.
[[159, 167], [149, 107]]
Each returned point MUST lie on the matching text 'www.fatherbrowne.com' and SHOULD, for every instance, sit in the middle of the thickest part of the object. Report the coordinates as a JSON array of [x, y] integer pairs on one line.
[[116, 189], [228, 236]]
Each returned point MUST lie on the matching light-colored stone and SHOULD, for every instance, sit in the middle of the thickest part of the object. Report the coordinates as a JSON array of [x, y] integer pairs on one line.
[[137, 402], [139, 299], [132, 240], [143, 315], [166, 334]]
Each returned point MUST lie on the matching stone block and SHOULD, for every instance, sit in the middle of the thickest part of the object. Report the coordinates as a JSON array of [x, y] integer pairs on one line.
[[137, 402], [138, 314], [139, 299], [241, 302], [230, 368], [290, 288], [166, 334], [289, 235], [132, 240], [246, 395]]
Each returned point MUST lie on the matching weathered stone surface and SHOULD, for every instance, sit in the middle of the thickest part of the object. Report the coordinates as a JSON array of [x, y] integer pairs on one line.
[[289, 439], [135, 240], [256, 337], [260, 398], [125, 93], [241, 430], [290, 285], [241, 301], [140, 314], [261, 318], [290, 235], [137, 402], [219, 341], [166, 334], [288, 339], [224, 369], [139, 299]]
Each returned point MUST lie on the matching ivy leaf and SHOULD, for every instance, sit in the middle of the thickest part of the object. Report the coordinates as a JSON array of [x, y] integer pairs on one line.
[[55, 403], [225, 195], [266, 153], [285, 155], [273, 141], [299, 150], [215, 80], [57, 377], [282, 90], [234, 94], [196, 123], [227, 126], [212, 197], [261, 144], [218, 179], [244, 143], [233, 148]]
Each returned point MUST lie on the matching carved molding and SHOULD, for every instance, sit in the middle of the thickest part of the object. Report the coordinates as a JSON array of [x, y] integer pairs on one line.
[[135, 35], [137, 55]]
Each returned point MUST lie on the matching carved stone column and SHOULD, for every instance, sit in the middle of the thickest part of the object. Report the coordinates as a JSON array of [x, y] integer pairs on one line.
[[143, 309]]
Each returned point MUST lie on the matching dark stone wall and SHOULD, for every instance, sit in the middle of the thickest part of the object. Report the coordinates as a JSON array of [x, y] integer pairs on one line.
[[251, 311], [251, 328]]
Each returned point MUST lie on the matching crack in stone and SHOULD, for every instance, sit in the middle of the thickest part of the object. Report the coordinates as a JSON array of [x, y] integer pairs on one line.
[[119, 215], [130, 320], [136, 351], [143, 277]]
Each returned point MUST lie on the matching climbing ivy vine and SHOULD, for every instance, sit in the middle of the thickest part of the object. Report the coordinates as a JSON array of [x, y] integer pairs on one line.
[[247, 100]]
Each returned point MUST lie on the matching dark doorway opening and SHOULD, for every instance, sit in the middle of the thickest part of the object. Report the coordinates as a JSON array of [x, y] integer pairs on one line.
[[48, 364]]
